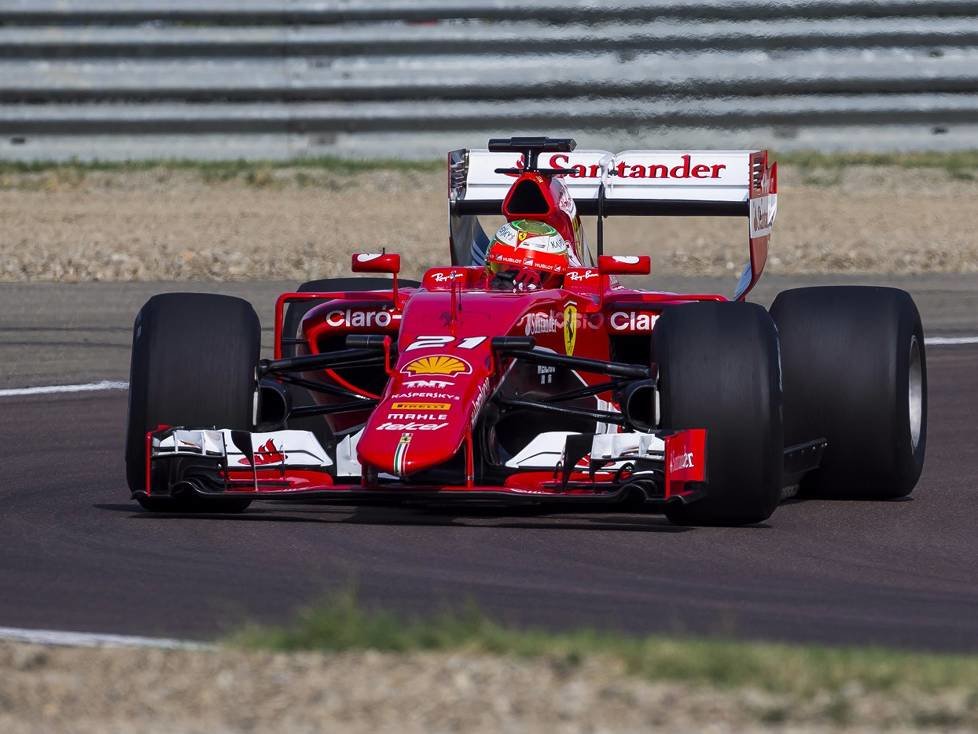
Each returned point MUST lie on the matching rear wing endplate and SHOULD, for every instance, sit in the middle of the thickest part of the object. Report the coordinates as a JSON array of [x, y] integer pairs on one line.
[[737, 183]]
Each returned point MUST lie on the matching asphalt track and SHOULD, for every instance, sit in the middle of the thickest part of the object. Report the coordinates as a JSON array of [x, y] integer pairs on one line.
[[75, 554]]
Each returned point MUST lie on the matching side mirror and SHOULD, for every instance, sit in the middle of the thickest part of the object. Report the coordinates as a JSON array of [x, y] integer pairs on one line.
[[624, 264], [376, 262]]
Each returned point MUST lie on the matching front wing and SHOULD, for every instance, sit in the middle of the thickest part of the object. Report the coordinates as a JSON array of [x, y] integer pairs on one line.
[[666, 466]]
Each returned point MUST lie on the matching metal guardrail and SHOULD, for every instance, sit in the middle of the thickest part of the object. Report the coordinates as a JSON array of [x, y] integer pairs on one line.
[[266, 78], [558, 11]]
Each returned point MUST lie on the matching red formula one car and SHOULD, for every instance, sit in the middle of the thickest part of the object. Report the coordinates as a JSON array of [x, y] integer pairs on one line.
[[527, 372]]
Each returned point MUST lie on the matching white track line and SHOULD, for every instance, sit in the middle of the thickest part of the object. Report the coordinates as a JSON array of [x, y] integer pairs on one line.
[[940, 341], [87, 639], [49, 389]]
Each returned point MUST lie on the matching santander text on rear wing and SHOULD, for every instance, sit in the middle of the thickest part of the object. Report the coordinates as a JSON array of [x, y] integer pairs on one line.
[[637, 183]]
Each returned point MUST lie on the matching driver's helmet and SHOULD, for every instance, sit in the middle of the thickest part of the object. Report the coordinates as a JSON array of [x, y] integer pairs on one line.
[[527, 254]]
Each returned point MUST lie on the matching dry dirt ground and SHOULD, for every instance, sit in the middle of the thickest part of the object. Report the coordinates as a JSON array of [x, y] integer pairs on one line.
[[298, 224], [104, 691]]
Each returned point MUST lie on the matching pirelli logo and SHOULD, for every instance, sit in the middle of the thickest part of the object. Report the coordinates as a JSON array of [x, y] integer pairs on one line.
[[413, 406]]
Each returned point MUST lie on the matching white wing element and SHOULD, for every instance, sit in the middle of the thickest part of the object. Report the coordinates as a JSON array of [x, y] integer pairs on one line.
[[627, 445], [347, 462], [644, 175], [546, 451], [273, 448]]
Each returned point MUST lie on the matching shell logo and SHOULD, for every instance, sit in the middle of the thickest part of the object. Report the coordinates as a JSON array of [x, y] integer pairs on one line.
[[441, 364]]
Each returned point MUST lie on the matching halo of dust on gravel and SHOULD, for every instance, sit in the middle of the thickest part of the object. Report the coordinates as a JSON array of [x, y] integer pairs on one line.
[[106, 690], [294, 223]]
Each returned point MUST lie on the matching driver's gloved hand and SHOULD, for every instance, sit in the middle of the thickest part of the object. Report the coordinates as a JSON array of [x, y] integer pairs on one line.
[[527, 279]]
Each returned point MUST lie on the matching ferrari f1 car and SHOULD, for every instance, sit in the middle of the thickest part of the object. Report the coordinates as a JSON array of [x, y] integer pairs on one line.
[[448, 390]]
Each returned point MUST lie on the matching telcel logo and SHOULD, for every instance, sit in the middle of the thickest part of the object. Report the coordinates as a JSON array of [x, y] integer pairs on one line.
[[411, 426]]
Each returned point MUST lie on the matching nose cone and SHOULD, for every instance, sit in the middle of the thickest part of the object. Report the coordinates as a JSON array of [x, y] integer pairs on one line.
[[424, 418], [442, 379]]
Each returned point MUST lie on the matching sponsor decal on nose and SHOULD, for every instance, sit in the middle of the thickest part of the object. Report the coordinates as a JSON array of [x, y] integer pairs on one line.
[[411, 426], [440, 364], [426, 384], [420, 406]]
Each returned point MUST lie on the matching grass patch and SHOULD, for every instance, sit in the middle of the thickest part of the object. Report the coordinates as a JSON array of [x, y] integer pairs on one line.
[[253, 172], [959, 165], [340, 623]]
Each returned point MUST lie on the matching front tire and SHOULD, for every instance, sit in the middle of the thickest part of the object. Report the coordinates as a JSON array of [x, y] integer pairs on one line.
[[719, 370], [193, 364], [855, 373]]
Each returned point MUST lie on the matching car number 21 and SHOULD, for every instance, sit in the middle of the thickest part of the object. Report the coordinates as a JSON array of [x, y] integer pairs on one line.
[[431, 342]]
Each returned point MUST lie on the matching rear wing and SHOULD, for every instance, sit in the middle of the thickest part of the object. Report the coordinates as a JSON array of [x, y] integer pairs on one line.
[[729, 183]]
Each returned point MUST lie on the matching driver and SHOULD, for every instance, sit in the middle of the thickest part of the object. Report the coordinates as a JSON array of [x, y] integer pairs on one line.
[[527, 255]]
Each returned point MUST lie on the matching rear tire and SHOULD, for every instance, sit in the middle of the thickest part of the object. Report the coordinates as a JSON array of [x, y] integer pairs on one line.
[[719, 370], [855, 373], [193, 364]]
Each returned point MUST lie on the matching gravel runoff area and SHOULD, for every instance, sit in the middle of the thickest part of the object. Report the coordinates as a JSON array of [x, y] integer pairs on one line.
[[297, 224], [108, 690]]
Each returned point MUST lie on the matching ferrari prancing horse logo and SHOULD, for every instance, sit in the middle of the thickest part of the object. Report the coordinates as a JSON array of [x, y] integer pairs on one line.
[[570, 328]]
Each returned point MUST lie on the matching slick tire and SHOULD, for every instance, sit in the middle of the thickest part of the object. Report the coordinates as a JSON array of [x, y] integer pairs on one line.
[[290, 330], [718, 369], [193, 364], [855, 373]]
